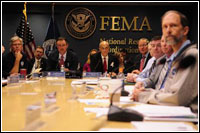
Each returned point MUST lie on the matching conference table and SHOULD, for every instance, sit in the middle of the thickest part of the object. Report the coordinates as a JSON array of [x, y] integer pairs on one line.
[[63, 114]]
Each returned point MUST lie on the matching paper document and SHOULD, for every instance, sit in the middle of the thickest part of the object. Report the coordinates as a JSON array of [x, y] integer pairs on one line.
[[93, 101], [87, 81], [123, 100], [158, 111], [171, 119], [161, 126], [129, 88], [99, 111], [117, 129]]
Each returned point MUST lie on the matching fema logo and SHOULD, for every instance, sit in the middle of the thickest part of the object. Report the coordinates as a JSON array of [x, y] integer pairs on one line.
[[80, 23]]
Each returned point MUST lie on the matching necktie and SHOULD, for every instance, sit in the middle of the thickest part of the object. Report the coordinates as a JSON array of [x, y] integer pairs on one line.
[[61, 61], [169, 67], [142, 63], [38, 64], [152, 67], [104, 65]]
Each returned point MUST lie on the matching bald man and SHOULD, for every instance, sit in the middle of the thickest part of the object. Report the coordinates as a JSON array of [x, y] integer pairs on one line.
[[104, 61]]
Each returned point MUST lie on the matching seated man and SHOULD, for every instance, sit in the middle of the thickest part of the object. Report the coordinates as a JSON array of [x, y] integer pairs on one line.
[[104, 61], [180, 83], [157, 53], [62, 57], [157, 76], [140, 60], [38, 61], [15, 59], [127, 61]]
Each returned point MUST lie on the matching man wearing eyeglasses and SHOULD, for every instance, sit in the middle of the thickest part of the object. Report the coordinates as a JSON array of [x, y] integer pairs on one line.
[[15, 59], [141, 60]]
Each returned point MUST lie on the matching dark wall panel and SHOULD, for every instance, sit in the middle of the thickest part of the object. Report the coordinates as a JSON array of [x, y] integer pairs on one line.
[[39, 15]]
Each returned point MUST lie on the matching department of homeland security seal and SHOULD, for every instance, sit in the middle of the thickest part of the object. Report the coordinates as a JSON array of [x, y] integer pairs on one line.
[[80, 23]]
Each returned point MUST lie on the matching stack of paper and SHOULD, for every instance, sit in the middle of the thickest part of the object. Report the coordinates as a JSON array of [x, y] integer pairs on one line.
[[99, 111], [161, 126], [158, 112], [152, 126], [87, 81]]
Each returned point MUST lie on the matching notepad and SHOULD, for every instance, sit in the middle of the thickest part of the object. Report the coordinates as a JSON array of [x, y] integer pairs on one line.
[[158, 112], [161, 126]]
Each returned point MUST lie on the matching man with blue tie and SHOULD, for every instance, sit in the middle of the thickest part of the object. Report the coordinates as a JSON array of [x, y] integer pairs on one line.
[[180, 84]]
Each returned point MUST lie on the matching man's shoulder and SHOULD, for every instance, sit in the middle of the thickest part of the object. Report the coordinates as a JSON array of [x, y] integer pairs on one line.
[[71, 54], [97, 55], [189, 50], [192, 49], [53, 54], [9, 54], [43, 59], [112, 55]]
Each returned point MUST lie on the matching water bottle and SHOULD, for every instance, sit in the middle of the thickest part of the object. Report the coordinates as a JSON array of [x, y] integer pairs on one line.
[[84, 74], [62, 68], [120, 74]]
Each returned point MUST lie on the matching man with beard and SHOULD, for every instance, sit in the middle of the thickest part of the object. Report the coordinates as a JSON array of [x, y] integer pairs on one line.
[[180, 83], [62, 57], [38, 62]]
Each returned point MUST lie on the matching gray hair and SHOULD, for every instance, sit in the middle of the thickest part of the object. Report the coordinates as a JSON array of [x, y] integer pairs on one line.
[[103, 42], [15, 38]]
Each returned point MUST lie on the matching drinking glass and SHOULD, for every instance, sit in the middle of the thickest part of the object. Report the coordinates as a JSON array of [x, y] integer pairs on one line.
[[78, 89]]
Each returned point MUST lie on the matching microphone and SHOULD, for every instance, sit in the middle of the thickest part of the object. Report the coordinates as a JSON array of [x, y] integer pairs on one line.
[[123, 92], [118, 114]]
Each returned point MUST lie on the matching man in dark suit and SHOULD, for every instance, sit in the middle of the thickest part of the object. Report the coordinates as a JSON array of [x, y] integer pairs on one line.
[[104, 61], [38, 61], [62, 57], [127, 61], [141, 59]]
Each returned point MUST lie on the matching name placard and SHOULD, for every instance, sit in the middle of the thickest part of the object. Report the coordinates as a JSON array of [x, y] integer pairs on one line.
[[13, 79], [53, 74], [92, 74]]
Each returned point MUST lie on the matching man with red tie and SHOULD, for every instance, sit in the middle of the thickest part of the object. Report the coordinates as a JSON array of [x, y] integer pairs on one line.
[[141, 60], [62, 56], [104, 61]]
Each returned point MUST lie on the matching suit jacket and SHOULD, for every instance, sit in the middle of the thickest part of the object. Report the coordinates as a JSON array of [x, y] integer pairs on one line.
[[137, 61], [181, 86], [71, 61], [153, 78], [43, 64], [128, 64], [96, 63], [8, 63]]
